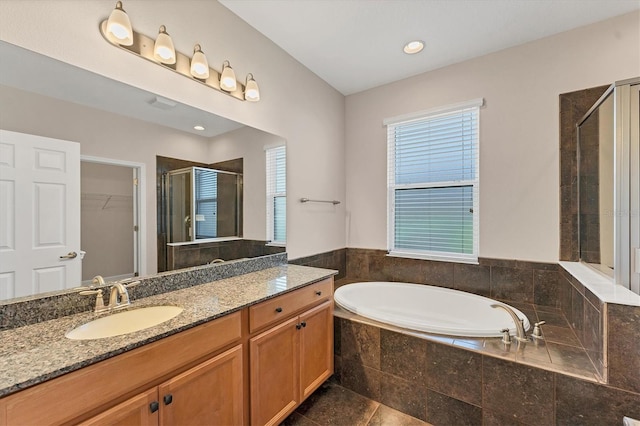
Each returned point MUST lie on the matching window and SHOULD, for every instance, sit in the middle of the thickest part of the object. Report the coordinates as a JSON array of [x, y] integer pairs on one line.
[[433, 184], [206, 197], [277, 195]]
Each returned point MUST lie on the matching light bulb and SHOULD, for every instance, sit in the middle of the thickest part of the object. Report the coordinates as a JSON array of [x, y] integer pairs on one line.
[[119, 26], [163, 50], [228, 78], [199, 64]]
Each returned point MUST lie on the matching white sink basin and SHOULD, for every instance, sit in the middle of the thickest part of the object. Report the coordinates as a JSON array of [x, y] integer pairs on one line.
[[124, 322]]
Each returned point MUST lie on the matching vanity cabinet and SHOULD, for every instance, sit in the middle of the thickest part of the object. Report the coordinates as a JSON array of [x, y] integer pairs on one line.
[[294, 356], [210, 393], [253, 366], [90, 391]]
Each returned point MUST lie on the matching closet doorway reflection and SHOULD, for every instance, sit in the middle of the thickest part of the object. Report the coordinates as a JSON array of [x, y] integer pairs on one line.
[[109, 219]]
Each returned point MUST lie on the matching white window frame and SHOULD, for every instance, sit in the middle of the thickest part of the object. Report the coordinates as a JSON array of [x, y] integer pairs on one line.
[[271, 196], [391, 124]]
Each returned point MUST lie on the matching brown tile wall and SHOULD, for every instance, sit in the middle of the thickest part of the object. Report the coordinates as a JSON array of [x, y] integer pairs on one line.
[[586, 315], [623, 346], [336, 259], [445, 385], [510, 280], [197, 254], [573, 106]]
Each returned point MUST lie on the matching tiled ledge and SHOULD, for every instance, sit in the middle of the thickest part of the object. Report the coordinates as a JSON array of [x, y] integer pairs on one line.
[[601, 286], [560, 352]]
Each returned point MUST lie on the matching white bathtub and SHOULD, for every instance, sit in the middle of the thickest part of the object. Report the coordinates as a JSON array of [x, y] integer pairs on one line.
[[427, 308]]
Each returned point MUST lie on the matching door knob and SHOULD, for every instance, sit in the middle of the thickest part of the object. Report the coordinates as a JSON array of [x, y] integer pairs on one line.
[[70, 255]]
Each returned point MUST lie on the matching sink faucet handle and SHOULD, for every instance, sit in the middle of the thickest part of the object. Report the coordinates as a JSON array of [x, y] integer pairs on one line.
[[506, 337], [99, 300], [537, 331], [131, 284]]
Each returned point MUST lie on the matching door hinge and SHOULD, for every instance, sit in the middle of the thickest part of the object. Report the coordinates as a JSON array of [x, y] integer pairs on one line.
[[135, 181], [135, 228]]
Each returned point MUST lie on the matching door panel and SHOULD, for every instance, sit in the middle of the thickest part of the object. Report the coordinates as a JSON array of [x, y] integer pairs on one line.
[[134, 411], [316, 348], [39, 214], [274, 373], [208, 394]]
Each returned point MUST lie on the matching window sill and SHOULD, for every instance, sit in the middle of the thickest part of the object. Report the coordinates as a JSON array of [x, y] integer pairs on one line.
[[435, 257], [274, 244]]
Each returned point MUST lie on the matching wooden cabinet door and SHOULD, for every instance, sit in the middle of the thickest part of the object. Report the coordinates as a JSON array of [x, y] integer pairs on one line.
[[208, 394], [274, 377], [316, 348], [139, 410]]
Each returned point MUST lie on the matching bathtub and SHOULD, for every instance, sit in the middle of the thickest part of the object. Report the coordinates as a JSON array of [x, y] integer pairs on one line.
[[427, 308]]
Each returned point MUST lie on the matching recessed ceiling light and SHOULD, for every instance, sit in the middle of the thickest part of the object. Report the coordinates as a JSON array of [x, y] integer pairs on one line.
[[413, 47], [198, 127]]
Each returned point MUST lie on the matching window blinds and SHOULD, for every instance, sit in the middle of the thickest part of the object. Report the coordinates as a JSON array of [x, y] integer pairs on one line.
[[277, 194], [433, 185], [206, 195]]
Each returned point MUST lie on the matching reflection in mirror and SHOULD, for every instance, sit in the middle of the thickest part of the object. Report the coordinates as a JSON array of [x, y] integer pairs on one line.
[[202, 204], [596, 184], [118, 124]]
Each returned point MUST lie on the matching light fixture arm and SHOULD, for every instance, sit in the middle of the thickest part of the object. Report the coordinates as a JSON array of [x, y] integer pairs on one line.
[[143, 47]]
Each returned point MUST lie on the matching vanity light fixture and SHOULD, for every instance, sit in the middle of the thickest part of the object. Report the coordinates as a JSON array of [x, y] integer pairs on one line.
[[251, 91], [227, 78], [161, 51], [199, 63], [119, 26], [413, 47]]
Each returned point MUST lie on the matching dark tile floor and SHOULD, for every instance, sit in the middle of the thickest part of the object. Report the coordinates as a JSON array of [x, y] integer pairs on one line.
[[333, 405]]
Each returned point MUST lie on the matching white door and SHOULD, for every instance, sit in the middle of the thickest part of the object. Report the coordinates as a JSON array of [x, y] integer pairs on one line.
[[39, 214]]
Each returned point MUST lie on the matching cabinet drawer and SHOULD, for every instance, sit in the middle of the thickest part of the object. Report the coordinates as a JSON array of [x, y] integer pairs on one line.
[[281, 307]]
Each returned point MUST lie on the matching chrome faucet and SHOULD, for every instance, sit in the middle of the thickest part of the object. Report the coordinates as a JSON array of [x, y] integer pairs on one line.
[[118, 295], [521, 335]]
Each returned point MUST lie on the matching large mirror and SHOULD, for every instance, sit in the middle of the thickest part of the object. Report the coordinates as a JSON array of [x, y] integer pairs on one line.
[[596, 185], [130, 141]]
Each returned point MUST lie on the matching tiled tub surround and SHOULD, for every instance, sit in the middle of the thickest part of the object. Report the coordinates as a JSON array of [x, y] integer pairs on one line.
[[447, 381], [33, 309], [200, 253], [606, 320], [34, 353]]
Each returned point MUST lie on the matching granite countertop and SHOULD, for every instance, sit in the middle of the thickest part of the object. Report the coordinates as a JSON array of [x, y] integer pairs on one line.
[[35, 353]]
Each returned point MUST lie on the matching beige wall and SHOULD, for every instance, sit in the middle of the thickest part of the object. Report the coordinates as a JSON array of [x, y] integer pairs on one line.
[[248, 143], [295, 104], [519, 148]]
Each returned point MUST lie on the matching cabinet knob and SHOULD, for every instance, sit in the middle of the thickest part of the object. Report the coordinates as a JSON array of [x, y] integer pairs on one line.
[[168, 399], [303, 323], [298, 326], [319, 293], [278, 309], [154, 406]]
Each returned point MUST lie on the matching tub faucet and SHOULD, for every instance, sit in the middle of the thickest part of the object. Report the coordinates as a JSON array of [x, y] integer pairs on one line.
[[521, 335]]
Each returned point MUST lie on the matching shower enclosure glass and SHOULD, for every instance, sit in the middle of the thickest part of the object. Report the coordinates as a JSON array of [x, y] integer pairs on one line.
[[203, 204], [609, 184]]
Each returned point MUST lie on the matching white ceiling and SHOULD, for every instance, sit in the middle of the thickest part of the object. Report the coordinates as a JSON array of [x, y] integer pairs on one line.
[[355, 45]]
